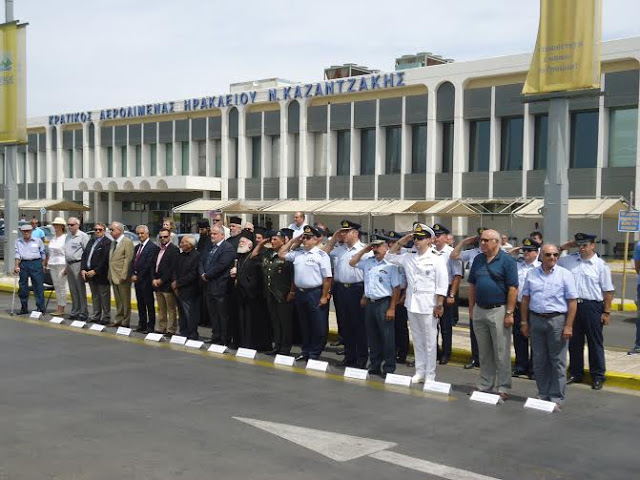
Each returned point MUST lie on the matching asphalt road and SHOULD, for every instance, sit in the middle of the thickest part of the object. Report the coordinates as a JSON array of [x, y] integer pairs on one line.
[[83, 405]]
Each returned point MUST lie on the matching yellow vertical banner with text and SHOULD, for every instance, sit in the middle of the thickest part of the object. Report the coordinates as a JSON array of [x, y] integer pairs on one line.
[[13, 105], [567, 53]]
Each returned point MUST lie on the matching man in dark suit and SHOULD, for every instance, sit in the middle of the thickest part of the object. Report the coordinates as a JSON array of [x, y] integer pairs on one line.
[[142, 270], [215, 267], [163, 275], [94, 269], [186, 286]]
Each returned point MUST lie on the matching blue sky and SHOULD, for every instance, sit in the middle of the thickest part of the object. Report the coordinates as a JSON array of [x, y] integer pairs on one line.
[[90, 54]]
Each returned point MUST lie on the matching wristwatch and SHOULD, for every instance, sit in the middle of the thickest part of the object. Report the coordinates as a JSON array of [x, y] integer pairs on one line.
[[509, 312], [452, 295]]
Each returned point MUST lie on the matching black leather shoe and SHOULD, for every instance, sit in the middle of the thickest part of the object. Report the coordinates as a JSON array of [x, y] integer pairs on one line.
[[471, 364], [573, 379], [272, 353], [141, 330], [345, 363], [401, 360], [374, 371], [597, 384], [23, 311], [444, 360], [302, 358], [337, 343], [518, 373]]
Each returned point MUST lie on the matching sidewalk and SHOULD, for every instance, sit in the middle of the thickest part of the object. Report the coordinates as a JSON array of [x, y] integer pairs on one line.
[[622, 370]]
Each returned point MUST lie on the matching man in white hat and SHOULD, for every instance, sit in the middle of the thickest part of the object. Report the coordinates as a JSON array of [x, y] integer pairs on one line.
[[427, 285], [29, 256]]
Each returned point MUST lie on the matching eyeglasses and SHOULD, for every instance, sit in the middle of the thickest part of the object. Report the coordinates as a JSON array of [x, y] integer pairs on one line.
[[112, 229], [555, 255], [71, 224], [164, 236], [486, 240], [99, 229]]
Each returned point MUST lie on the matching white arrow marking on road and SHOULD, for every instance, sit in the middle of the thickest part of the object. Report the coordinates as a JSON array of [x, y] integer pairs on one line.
[[341, 448], [336, 446]]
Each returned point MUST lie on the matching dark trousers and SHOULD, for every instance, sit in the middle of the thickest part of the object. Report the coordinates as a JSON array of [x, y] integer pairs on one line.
[[401, 326], [314, 322], [638, 319], [381, 336], [354, 331], [445, 325], [588, 323], [474, 343], [146, 306], [339, 320], [524, 359], [31, 269], [189, 316], [281, 315], [253, 324], [218, 308]]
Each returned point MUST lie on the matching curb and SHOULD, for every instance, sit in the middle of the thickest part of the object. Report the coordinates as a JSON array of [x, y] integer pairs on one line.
[[459, 356]]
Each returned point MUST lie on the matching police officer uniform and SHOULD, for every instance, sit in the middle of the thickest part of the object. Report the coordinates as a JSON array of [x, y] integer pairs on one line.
[[401, 322], [524, 361], [381, 281], [593, 280], [29, 256], [454, 269], [427, 278], [277, 279], [348, 289], [311, 267]]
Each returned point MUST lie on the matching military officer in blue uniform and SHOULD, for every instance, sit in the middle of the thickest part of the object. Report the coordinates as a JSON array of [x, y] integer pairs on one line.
[[401, 322], [595, 294]]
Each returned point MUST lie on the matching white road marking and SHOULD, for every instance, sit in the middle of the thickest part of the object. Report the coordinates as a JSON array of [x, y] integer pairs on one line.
[[431, 468], [336, 446]]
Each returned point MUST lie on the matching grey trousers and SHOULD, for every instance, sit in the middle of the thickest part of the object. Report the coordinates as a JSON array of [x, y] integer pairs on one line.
[[78, 291], [101, 300], [494, 346], [549, 356]]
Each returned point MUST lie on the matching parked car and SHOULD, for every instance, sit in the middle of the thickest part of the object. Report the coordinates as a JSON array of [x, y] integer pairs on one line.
[[130, 235]]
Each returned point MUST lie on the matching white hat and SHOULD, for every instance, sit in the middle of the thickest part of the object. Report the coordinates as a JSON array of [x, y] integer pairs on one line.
[[26, 227], [59, 221]]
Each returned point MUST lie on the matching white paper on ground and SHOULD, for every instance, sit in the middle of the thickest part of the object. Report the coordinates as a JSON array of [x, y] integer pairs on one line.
[[153, 337], [57, 320], [97, 327], [215, 348], [123, 331], [542, 405], [437, 387], [490, 398], [246, 353], [284, 360], [178, 340], [194, 344], [78, 324], [317, 365], [356, 373], [35, 314], [394, 379]]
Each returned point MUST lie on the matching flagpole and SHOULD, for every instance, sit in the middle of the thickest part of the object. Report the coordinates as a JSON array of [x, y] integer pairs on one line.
[[10, 185]]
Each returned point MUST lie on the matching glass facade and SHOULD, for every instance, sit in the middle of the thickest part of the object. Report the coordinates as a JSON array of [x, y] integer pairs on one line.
[[109, 162], [447, 147], [154, 159], [418, 149], [540, 142], [511, 143], [584, 139], [169, 158], [123, 161], [368, 151], [479, 145], [185, 158], [393, 150], [70, 163], [623, 137], [256, 157], [275, 156], [138, 160], [343, 156], [202, 159]]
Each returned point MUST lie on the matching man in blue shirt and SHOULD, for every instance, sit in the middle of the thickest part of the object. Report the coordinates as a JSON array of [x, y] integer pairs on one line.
[[29, 256], [493, 291], [382, 284], [636, 262], [548, 309], [37, 231]]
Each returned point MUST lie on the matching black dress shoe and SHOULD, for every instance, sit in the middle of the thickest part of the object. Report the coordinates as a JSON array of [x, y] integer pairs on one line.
[[141, 330], [444, 360], [23, 311], [401, 360], [346, 363], [272, 353], [471, 364], [518, 373], [573, 379], [337, 343], [374, 371], [302, 358], [597, 384], [73, 317]]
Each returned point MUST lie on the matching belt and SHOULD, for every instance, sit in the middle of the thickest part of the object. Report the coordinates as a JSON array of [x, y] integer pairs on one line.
[[374, 300], [311, 289], [489, 307], [349, 285], [548, 315], [584, 300], [30, 259], [72, 261]]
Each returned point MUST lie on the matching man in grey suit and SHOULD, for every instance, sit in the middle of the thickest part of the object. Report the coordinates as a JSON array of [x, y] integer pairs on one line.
[[120, 257]]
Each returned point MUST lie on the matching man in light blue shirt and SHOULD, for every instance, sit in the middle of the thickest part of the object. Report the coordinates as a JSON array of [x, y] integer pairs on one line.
[[37, 231], [382, 285], [636, 262], [30, 263], [549, 304]]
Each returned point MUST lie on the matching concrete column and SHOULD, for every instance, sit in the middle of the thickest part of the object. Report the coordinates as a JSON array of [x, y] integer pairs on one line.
[[110, 206], [265, 157], [603, 136], [243, 157], [405, 146], [332, 154], [59, 163], [354, 151], [303, 165], [528, 144], [86, 151], [460, 141], [99, 170], [225, 157], [49, 160], [494, 141], [434, 143], [380, 150], [284, 149]]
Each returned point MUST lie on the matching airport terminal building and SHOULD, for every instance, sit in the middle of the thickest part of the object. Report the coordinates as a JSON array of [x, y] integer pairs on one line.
[[430, 130]]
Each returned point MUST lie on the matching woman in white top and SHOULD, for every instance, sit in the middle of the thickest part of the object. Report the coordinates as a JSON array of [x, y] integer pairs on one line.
[[57, 263]]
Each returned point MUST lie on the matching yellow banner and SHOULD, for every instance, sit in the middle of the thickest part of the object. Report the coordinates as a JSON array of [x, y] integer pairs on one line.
[[13, 105], [567, 54]]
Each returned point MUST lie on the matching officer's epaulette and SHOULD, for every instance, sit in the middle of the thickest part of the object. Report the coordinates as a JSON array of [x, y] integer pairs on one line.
[[322, 253]]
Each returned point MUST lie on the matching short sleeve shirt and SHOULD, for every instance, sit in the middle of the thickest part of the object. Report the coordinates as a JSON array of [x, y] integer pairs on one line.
[[549, 292], [492, 280], [380, 278], [593, 276], [310, 267]]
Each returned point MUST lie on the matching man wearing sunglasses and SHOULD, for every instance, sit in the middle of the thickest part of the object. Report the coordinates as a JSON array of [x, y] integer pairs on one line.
[[95, 271], [427, 284], [74, 246], [548, 309]]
